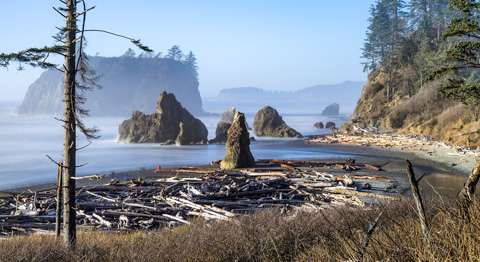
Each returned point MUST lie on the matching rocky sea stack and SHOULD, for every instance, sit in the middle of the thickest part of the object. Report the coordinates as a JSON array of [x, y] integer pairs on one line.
[[268, 122], [331, 110], [170, 124], [223, 126], [238, 154]]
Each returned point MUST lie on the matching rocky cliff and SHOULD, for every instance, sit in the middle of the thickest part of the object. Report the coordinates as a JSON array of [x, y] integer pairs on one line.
[[414, 112], [127, 83]]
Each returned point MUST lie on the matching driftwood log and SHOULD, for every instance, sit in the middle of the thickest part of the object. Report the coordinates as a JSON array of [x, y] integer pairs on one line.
[[418, 199], [467, 194]]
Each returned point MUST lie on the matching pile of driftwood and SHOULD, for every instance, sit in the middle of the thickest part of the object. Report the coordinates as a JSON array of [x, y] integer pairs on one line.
[[392, 141], [177, 195]]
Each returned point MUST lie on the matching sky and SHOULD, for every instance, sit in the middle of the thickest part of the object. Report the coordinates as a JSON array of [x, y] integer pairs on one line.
[[272, 44]]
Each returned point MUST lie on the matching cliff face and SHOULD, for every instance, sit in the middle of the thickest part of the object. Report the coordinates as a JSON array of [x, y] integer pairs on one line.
[[127, 84], [414, 112]]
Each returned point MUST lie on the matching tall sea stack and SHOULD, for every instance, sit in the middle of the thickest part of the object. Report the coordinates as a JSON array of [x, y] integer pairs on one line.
[[238, 154]]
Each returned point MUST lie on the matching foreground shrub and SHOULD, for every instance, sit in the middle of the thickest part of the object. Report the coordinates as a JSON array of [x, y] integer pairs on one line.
[[331, 235]]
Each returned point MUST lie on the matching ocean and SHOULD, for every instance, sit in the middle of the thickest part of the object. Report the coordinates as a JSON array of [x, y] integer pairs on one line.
[[26, 140]]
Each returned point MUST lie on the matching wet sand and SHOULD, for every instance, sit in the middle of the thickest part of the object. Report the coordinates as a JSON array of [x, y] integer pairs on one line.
[[443, 177]]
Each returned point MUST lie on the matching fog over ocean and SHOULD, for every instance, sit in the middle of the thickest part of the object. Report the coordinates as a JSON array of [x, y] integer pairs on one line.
[[26, 140]]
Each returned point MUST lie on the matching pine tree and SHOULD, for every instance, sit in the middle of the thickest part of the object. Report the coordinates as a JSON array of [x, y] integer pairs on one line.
[[129, 53], [78, 78], [191, 61], [387, 26], [462, 61], [175, 53]]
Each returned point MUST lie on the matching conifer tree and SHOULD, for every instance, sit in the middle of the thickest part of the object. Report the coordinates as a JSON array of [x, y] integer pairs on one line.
[[175, 53], [78, 78], [462, 61], [191, 61]]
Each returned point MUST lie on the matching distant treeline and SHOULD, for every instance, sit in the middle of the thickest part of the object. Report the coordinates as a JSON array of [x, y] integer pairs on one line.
[[174, 53]]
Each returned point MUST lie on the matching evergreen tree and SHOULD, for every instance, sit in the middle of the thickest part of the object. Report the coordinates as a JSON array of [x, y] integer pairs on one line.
[[77, 78], [129, 53], [175, 53], [387, 27], [191, 61], [462, 60], [429, 17]]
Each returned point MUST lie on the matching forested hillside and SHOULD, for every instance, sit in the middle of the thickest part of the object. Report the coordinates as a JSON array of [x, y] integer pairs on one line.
[[126, 83], [421, 59]]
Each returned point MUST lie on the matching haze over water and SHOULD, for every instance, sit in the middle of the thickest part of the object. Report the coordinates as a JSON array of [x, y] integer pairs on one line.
[[26, 140]]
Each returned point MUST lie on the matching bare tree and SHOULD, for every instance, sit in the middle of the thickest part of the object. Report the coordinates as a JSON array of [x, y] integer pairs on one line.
[[70, 43]]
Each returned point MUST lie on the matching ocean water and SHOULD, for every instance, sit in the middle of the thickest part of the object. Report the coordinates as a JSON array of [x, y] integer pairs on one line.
[[26, 140]]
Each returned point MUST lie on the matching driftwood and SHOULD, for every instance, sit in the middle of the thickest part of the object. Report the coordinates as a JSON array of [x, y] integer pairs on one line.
[[418, 199], [465, 197], [208, 193], [368, 235], [58, 211]]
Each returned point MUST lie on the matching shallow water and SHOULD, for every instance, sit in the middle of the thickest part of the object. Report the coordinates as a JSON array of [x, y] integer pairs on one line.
[[25, 141]]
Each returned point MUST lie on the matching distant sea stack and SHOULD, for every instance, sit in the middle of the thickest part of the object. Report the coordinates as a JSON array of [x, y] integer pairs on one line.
[[268, 122], [223, 126], [128, 83], [170, 124], [331, 110]]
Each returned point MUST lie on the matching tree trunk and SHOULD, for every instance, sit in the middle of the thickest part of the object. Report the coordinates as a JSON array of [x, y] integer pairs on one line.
[[418, 200], [58, 213], [69, 216], [465, 198]]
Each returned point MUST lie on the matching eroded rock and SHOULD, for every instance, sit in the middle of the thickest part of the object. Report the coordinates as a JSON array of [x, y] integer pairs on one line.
[[223, 126], [268, 122], [170, 124], [331, 110], [319, 125], [238, 154]]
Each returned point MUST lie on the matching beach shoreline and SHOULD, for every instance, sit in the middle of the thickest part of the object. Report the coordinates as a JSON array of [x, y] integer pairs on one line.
[[371, 154]]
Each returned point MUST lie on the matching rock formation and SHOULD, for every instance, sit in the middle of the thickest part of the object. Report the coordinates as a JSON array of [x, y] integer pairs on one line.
[[170, 124], [238, 154], [223, 126], [269, 123], [331, 110], [129, 83], [319, 125], [330, 125]]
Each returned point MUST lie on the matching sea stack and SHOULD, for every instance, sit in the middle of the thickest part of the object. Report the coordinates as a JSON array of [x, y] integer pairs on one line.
[[170, 124], [331, 110], [268, 122], [238, 154], [222, 127]]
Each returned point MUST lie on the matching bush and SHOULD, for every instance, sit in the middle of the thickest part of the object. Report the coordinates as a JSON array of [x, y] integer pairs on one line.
[[331, 235]]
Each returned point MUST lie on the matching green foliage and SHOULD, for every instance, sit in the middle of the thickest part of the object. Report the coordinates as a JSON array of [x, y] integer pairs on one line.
[[460, 68]]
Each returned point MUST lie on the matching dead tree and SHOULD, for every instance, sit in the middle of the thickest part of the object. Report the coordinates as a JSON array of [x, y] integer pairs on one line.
[[418, 199], [69, 44], [58, 211], [466, 196]]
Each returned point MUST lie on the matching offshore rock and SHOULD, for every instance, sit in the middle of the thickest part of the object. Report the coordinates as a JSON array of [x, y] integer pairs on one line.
[[268, 122], [238, 154], [223, 126], [331, 110], [319, 125], [170, 124]]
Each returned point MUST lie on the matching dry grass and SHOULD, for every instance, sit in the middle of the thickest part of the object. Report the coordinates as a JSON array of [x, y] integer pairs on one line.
[[271, 236]]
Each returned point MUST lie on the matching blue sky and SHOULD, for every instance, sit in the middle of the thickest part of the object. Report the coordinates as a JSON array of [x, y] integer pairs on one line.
[[273, 44]]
